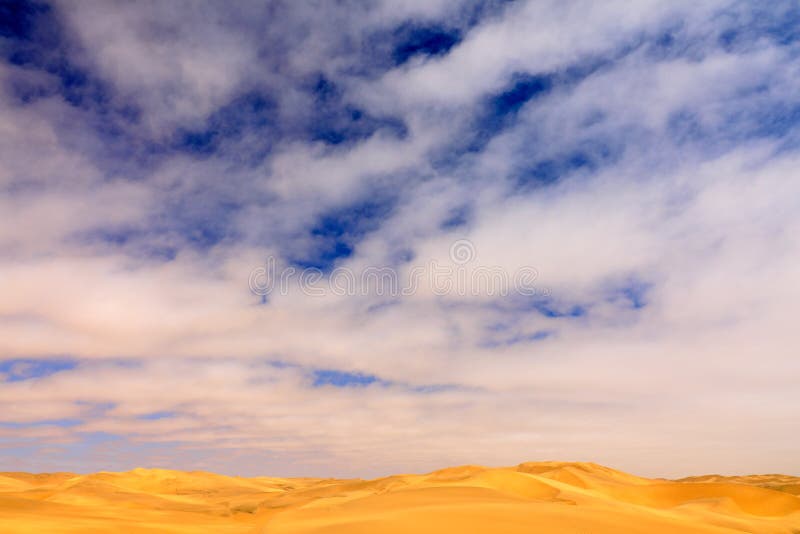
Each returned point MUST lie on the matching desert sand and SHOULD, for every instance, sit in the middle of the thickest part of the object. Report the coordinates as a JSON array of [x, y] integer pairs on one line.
[[543, 497]]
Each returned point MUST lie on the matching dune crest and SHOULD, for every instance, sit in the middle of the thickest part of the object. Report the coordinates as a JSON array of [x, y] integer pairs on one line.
[[545, 497]]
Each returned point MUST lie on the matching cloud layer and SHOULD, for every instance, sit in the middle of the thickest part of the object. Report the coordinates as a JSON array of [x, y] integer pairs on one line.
[[642, 158]]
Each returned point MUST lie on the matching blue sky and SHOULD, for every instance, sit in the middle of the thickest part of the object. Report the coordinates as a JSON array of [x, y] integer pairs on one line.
[[641, 157]]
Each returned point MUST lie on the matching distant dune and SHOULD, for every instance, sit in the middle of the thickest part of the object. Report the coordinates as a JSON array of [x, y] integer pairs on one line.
[[543, 497]]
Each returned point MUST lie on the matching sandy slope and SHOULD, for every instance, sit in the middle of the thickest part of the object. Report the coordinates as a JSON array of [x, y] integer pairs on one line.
[[544, 497]]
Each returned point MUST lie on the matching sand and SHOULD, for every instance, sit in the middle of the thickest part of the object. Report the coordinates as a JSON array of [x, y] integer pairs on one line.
[[543, 497]]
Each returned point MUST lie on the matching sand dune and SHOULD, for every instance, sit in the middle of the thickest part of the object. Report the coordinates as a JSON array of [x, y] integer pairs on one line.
[[542, 497]]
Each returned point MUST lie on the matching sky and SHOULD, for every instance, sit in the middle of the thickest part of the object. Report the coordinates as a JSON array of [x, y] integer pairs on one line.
[[162, 163]]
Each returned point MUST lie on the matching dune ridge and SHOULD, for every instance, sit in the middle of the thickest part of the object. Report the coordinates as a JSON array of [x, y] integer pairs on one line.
[[542, 497]]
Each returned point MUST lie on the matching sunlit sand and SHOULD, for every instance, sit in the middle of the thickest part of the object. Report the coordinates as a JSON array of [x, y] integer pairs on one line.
[[544, 497]]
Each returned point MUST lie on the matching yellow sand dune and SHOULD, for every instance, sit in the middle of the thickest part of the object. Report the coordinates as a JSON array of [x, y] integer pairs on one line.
[[541, 497]]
